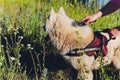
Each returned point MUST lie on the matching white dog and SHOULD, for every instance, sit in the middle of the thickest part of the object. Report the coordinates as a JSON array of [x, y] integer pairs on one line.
[[72, 40]]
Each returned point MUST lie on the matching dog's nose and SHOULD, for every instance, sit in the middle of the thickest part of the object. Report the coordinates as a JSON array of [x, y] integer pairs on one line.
[[44, 27]]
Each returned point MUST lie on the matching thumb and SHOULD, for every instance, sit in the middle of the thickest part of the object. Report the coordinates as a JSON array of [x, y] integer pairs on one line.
[[88, 22]]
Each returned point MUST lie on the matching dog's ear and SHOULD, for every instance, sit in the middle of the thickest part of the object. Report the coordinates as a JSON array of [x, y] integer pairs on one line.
[[63, 14], [61, 11], [52, 14], [52, 11]]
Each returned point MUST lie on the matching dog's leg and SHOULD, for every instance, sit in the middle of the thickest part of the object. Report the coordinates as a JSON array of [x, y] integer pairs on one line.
[[85, 68]]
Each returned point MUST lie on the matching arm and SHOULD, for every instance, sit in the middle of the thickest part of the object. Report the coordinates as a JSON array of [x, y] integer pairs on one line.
[[108, 9]]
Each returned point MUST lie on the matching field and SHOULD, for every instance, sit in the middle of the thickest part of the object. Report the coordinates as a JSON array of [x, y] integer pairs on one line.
[[26, 54]]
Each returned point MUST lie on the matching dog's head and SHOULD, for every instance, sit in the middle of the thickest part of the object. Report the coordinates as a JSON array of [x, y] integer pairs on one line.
[[54, 17], [65, 33]]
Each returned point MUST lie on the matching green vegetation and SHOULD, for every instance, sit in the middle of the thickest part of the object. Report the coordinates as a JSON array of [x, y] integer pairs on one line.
[[21, 32]]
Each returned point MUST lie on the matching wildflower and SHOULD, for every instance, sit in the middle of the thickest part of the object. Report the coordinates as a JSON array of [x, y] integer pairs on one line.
[[2, 45], [15, 31], [28, 46], [19, 55], [31, 48], [21, 37], [12, 58], [22, 45], [17, 28], [19, 64]]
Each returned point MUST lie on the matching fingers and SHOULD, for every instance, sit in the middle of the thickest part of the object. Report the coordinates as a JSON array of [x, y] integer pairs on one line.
[[86, 20], [89, 19]]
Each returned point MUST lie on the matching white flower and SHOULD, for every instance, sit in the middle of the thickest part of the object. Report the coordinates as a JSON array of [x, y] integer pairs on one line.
[[2, 46], [19, 55], [12, 58], [21, 37], [19, 64], [28, 45], [22, 45], [17, 28], [31, 48]]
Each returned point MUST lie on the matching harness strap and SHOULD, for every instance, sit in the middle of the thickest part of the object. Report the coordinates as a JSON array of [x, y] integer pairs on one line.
[[101, 42], [98, 44], [109, 33], [78, 52]]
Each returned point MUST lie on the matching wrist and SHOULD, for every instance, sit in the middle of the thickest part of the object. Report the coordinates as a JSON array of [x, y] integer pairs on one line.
[[98, 14]]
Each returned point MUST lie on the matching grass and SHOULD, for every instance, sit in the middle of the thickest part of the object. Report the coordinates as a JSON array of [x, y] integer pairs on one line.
[[30, 16]]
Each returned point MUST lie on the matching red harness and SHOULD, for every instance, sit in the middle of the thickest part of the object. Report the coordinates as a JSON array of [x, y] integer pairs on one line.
[[100, 41], [97, 45]]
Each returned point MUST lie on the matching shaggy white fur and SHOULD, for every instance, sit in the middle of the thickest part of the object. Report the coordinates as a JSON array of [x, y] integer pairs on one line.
[[65, 37]]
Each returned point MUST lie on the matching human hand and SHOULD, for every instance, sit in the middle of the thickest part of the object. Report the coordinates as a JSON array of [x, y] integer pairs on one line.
[[91, 18]]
